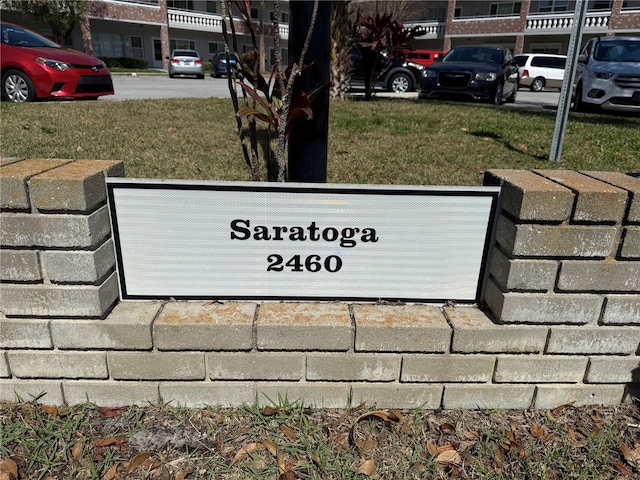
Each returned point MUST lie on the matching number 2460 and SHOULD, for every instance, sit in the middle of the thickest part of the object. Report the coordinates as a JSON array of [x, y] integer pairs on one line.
[[312, 263]]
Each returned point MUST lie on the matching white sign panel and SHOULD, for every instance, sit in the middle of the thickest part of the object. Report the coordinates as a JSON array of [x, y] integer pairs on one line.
[[213, 240]]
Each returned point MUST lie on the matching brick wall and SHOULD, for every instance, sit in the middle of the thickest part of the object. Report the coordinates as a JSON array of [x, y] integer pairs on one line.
[[562, 323], [57, 254]]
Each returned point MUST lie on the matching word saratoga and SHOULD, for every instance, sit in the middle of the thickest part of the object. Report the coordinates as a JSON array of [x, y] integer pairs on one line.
[[346, 237]]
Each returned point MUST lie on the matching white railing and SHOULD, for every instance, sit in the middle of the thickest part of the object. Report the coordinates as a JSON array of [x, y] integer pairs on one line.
[[548, 23], [432, 29], [208, 22]]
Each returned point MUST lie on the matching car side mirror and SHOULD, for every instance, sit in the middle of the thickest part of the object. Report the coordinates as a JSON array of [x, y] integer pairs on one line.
[[582, 58]]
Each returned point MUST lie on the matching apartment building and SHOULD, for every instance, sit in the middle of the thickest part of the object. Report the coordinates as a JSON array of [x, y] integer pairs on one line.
[[523, 26], [151, 29]]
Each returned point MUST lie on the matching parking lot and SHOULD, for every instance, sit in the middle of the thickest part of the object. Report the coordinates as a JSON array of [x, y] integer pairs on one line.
[[138, 87]]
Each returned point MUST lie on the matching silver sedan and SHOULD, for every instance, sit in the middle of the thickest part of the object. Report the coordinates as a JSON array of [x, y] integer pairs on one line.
[[186, 62]]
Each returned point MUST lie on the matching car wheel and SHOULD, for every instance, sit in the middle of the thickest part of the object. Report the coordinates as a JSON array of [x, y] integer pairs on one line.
[[201, 77], [498, 95], [400, 83], [578, 104], [17, 87], [171, 75], [537, 85], [512, 97]]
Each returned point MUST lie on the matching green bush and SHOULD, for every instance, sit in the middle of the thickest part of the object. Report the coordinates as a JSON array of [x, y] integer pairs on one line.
[[124, 62]]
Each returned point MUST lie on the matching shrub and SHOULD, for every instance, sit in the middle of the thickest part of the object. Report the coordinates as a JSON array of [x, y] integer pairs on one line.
[[124, 62]]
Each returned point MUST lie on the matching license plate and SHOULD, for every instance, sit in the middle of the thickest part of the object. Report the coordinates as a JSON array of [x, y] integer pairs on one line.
[[636, 96], [187, 62]]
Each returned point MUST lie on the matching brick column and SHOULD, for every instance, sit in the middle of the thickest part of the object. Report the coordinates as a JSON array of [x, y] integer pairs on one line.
[[57, 253], [567, 248], [164, 34]]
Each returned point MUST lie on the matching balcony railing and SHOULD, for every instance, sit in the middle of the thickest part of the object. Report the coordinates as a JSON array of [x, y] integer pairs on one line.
[[432, 29], [189, 20], [206, 22], [562, 22]]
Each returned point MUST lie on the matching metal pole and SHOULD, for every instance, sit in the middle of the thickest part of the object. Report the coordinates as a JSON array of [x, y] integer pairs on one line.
[[564, 102]]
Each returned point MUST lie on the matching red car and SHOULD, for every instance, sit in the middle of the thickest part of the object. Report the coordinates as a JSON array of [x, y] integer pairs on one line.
[[423, 57], [35, 68]]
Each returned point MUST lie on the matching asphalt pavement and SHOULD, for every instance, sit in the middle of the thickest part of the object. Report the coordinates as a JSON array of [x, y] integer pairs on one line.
[[142, 86]]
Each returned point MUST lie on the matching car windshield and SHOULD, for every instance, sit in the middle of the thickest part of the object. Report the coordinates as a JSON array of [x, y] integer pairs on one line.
[[474, 54], [19, 37], [185, 53], [617, 51]]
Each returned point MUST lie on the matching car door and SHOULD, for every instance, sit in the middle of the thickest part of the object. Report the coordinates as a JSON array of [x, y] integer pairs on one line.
[[556, 71]]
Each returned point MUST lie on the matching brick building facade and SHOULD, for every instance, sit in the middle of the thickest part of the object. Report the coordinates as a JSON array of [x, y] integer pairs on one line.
[[523, 26], [151, 29]]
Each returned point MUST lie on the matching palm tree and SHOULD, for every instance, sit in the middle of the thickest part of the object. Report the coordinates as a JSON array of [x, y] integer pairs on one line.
[[341, 44]]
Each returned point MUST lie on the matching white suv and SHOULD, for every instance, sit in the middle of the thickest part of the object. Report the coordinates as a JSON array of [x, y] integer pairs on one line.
[[540, 70], [608, 75]]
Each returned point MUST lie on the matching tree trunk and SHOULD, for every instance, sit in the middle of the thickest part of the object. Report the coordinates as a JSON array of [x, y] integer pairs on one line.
[[341, 44]]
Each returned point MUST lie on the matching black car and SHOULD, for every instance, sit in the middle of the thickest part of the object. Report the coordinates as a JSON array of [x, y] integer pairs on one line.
[[472, 72], [398, 75]]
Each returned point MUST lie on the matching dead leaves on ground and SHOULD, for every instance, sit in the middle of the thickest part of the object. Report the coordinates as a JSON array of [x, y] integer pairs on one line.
[[369, 443], [153, 468]]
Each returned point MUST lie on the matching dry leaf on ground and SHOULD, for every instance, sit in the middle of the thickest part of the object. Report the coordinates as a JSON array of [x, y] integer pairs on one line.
[[138, 460], [368, 468], [243, 453], [289, 432], [449, 457], [8, 469], [631, 456]]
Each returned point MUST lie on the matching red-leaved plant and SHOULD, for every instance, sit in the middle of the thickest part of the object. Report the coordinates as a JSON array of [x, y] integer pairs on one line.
[[270, 101]]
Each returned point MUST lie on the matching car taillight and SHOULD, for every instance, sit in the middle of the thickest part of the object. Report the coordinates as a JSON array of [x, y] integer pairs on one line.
[[197, 61], [175, 60], [525, 73]]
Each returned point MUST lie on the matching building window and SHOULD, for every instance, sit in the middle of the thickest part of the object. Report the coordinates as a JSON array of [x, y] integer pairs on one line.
[[180, 4], [284, 17], [505, 9], [212, 6], [602, 5], [215, 47], [631, 5], [157, 50], [457, 12], [107, 44], [436, 14], [255, 13], [549, 6], [177, 44], [137, 51]]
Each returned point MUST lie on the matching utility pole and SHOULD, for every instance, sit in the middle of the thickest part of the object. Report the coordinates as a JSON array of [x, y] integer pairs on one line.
[[569, 76], [308, 141]]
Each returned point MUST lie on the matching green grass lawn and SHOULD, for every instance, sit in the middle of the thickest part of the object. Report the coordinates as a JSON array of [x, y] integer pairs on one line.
[[385, 141]]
